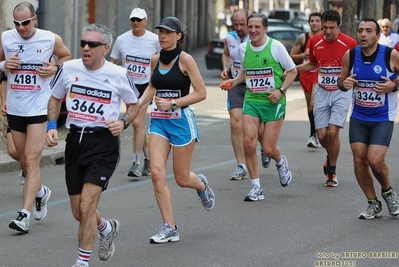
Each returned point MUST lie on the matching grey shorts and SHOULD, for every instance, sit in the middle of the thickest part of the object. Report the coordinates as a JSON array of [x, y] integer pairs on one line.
[[235, 97], [331, 107]]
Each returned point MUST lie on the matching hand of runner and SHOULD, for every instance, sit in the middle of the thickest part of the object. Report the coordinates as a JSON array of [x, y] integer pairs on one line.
[[226, 85], [350, 82], [115, 127], [52, 138], [384, 87]]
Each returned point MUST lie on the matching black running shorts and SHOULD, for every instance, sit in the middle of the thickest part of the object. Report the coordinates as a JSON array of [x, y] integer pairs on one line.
[[90, 157]]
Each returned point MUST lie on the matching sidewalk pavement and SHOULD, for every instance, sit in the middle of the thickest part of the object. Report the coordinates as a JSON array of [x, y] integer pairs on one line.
[[50, 156], [55, 155]]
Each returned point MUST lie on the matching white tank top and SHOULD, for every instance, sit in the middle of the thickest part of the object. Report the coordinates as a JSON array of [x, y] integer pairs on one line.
[[233, 42], [28, 93]]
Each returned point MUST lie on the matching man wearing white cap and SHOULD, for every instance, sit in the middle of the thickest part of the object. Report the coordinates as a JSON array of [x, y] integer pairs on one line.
[[135, 48]]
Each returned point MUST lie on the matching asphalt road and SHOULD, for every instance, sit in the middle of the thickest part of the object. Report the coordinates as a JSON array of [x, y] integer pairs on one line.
[[302, 225]]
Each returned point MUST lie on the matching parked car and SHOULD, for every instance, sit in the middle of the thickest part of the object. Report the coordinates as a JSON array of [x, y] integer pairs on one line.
[[213, 58], [286, 14], [302, 24], [286, 35], [280, 23]]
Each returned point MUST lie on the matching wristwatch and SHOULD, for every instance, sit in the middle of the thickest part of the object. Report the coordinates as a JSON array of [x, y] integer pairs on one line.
[[125, 124], [283, 90], [174, 105]]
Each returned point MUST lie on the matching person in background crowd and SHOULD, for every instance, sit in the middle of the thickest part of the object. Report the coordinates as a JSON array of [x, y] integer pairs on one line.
[[135, 48], [308, 79], [388, 37], [331, 105], [396, 23]]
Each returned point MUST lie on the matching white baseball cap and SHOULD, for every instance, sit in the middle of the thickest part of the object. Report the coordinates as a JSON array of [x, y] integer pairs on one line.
[[138, 13]]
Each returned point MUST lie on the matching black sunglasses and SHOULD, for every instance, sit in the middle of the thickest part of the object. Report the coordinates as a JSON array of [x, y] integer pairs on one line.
[[136, 19], [91, 44], [23, 23]]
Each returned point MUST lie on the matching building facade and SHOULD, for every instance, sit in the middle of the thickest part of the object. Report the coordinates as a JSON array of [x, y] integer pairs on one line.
[[68, 17]]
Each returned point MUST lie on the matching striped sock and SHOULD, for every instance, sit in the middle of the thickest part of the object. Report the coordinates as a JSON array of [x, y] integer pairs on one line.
[[84, 256], [104, 227]]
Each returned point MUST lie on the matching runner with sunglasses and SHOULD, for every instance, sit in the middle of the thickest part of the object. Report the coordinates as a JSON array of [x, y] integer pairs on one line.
[[27, 52], [94, 89], [135, 48]]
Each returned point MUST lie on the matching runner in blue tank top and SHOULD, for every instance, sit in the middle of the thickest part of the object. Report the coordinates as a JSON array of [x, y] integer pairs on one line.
[[371, 70]]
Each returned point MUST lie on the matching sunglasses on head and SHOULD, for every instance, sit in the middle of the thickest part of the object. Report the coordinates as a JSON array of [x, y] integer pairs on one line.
[[91, 44], [23, 22], [136, 19]]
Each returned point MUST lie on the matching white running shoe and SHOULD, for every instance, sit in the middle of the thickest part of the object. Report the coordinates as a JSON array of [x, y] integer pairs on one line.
[[239, 174], [107, 247], [313, 142], [79, 264], [208, 199], [21, 223], [284, 172], [21, 177], [374, 210], [391, 199], [40, 210], [166, 234], [255, 194]]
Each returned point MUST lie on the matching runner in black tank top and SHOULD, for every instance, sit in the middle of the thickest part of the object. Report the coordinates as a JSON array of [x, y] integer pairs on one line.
[[172, 79], [173, 129]]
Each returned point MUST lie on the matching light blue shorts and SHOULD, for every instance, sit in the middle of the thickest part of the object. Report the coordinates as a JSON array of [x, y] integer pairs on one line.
[[179, 132]]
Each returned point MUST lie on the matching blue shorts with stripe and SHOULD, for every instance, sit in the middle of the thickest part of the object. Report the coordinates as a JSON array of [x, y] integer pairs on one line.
[[179, 132]]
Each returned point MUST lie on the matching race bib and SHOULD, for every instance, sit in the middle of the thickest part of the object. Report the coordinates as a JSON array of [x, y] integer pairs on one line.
[[138, 67], [366, 95], [88, 104], [328, 77], [260, 80], [166, 114], [25, 78], [235, 69]]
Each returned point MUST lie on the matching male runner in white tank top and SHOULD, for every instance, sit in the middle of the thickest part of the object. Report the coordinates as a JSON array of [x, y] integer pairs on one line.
[[26, 52]]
